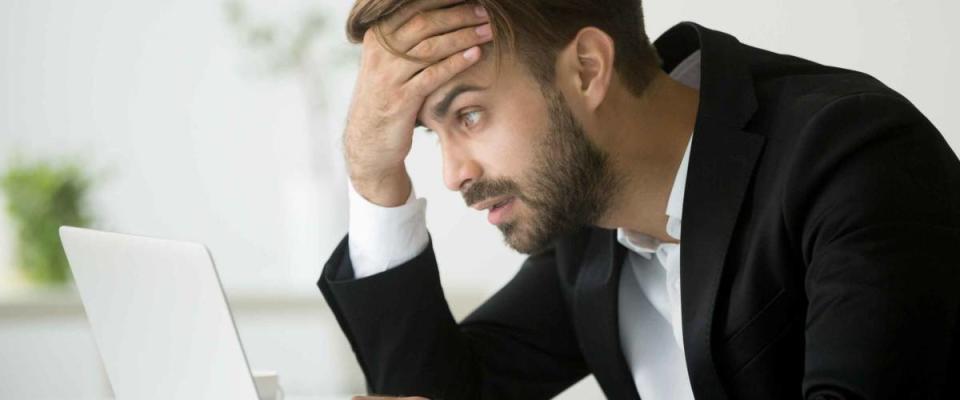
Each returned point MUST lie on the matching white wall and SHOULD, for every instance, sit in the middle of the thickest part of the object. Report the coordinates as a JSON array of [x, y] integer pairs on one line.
[[909, 45], [197, 145], [192, 142]]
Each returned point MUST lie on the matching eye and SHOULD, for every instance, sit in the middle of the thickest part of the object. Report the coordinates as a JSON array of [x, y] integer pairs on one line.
[[470, 119]]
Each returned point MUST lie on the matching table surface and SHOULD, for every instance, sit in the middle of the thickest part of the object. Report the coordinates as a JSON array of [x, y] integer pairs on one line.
[[346, 397]]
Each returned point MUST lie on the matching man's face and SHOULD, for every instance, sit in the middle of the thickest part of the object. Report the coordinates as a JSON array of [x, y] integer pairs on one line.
[[513, 147]]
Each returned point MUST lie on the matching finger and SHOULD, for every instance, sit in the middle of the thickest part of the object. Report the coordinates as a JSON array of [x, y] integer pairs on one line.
[[401, 16], [434, 76], [434, 23], [438, 48]]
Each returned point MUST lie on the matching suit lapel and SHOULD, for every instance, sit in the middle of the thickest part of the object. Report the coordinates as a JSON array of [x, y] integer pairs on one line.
[[721, 165], [596, 310], [722, 159]]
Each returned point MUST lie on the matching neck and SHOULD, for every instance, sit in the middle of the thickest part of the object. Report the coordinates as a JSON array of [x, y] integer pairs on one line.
[[646, 139]]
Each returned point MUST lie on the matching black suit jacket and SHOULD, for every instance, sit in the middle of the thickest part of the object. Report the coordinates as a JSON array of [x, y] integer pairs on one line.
[[821, 230]]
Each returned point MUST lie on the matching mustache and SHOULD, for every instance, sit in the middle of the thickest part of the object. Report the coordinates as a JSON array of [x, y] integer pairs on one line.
[[482, 190]]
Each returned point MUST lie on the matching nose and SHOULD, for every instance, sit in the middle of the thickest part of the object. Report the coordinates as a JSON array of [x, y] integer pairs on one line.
[[458, 167]]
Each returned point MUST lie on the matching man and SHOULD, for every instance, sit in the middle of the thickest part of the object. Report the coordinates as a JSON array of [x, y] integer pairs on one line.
[[819, 213]]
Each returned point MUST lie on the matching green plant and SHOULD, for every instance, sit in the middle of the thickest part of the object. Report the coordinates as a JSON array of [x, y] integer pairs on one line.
[[41, 196]]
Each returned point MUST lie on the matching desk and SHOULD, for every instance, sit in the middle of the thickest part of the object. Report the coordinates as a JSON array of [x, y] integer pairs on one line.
[[44, 334], [286, 398], [45, 337]]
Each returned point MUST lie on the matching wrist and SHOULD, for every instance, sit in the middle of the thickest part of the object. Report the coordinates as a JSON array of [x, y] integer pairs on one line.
[[388, 189]]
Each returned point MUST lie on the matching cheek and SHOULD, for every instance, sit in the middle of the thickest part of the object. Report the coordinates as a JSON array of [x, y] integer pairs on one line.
[[517, 122], [512, 144]]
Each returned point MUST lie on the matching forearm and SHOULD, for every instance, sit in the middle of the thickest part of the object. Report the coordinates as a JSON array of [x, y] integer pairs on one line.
[[518, 344], [400, 327]]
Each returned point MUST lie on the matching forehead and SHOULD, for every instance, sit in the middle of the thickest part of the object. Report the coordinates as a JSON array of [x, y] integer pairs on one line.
[[490, 74]]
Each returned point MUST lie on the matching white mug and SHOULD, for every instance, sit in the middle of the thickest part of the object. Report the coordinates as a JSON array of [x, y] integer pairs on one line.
[[268, 385]]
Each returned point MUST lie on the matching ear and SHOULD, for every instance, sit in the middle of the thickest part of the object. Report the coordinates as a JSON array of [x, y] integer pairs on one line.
[[587, 65]]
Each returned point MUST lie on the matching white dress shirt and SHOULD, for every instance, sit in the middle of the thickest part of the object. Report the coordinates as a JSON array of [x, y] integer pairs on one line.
[[651, 331]]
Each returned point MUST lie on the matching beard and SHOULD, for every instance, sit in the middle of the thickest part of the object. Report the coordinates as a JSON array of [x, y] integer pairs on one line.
[[571, 184]]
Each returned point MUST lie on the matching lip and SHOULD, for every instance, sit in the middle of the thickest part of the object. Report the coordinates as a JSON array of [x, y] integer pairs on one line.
[[499, 215], [490, 203]]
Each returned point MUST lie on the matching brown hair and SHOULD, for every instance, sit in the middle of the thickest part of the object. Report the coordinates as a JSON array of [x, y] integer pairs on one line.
[[537, 30]]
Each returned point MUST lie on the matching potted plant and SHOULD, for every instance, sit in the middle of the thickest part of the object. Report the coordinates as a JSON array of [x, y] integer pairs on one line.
[[41, 196]]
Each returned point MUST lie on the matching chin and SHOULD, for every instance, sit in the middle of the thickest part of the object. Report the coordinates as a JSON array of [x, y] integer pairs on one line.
[[518, 237]]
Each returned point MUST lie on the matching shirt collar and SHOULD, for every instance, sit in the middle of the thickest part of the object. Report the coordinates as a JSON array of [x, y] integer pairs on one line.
[[646, 244], [675, 202]]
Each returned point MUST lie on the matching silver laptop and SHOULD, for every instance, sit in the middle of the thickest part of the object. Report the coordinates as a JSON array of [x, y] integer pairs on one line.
[[159, 316]]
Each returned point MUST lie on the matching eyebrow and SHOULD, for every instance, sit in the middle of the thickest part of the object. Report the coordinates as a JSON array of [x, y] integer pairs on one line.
[[443, 107]]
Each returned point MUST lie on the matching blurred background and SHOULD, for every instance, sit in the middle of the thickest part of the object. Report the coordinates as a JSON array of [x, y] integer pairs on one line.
[[219, 122]]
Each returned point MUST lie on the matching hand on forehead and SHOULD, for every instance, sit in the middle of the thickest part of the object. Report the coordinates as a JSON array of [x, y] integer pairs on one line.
[[478, 76], [431, 34], [428, 30]]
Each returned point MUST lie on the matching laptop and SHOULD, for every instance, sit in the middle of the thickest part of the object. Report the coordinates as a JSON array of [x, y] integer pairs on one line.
[[159, 317]]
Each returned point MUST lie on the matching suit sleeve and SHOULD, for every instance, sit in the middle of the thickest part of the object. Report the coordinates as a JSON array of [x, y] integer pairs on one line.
[[519, 344], [877, 198]]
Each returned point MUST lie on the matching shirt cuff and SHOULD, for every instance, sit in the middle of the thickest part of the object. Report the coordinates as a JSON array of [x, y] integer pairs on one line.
[[385, 237]]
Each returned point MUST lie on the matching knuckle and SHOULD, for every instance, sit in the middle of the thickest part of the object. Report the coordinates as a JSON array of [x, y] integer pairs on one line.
[[437, 48], [425, 48], [416, 89], [399, 97], [466, 37], [449, 42], [419, 23], [432, 74], [454, 64], [370, 37], [463, 16], [391, 109]]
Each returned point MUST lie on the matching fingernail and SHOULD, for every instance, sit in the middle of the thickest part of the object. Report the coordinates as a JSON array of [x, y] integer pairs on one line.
[[473, 54], [484, 30], [481, 12]]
